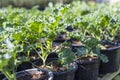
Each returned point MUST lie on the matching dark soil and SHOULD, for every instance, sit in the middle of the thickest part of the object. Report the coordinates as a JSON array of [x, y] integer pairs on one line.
[[57, 67], [53, 66], [75, 42], [87, 59], [35, 76]]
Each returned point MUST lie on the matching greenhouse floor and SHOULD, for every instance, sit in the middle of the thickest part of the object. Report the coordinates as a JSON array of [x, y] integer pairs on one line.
[[111, 76], [117, 77]]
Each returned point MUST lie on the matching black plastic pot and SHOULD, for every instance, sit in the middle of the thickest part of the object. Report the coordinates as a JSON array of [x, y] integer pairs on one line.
[[52, 55], [113, 55], [24, 66], [70, 28], [37, 71], [2, 76], [67, 75], [76, 44], [32, 55], [61, 37], [75, 47], [87, 70]]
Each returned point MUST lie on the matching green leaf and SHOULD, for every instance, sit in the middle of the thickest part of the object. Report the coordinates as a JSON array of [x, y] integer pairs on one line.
[[104, 58], [66, 56], [82, 51]]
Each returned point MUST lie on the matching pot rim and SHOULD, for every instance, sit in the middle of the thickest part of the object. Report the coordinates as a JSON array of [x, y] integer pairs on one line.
[[111, 48], [22, 73], [75, 67], [88, 62]]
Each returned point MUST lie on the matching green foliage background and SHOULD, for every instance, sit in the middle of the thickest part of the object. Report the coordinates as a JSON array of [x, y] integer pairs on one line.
[[30, 3]]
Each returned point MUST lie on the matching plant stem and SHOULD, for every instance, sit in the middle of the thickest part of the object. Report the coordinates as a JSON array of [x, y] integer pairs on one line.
[[7, 74], [44, 64]]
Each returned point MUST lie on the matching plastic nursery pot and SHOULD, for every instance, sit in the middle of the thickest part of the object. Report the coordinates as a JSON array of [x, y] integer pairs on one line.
[[87, 70], [75, 44], [34, 74], [61, 37], [32, 55], [75, 47], [2, 76], [113, 55], [65, 75], [24, 66], [52, 55], [70, 28]]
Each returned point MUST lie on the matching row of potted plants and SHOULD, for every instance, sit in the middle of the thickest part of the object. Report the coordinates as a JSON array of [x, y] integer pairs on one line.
[[67, 40], [102, 23], [39, 32]]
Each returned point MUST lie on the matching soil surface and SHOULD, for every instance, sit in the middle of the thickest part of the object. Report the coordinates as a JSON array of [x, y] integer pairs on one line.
[[77, 43], [35, 76], [109, 46], [53, 65], [57, 67], [87, 59]]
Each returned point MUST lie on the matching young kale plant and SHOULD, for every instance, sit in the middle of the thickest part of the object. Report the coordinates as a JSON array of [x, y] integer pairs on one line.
[[41, 31], [87, 36], [10, 25], [66, 56], [9, 56]]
